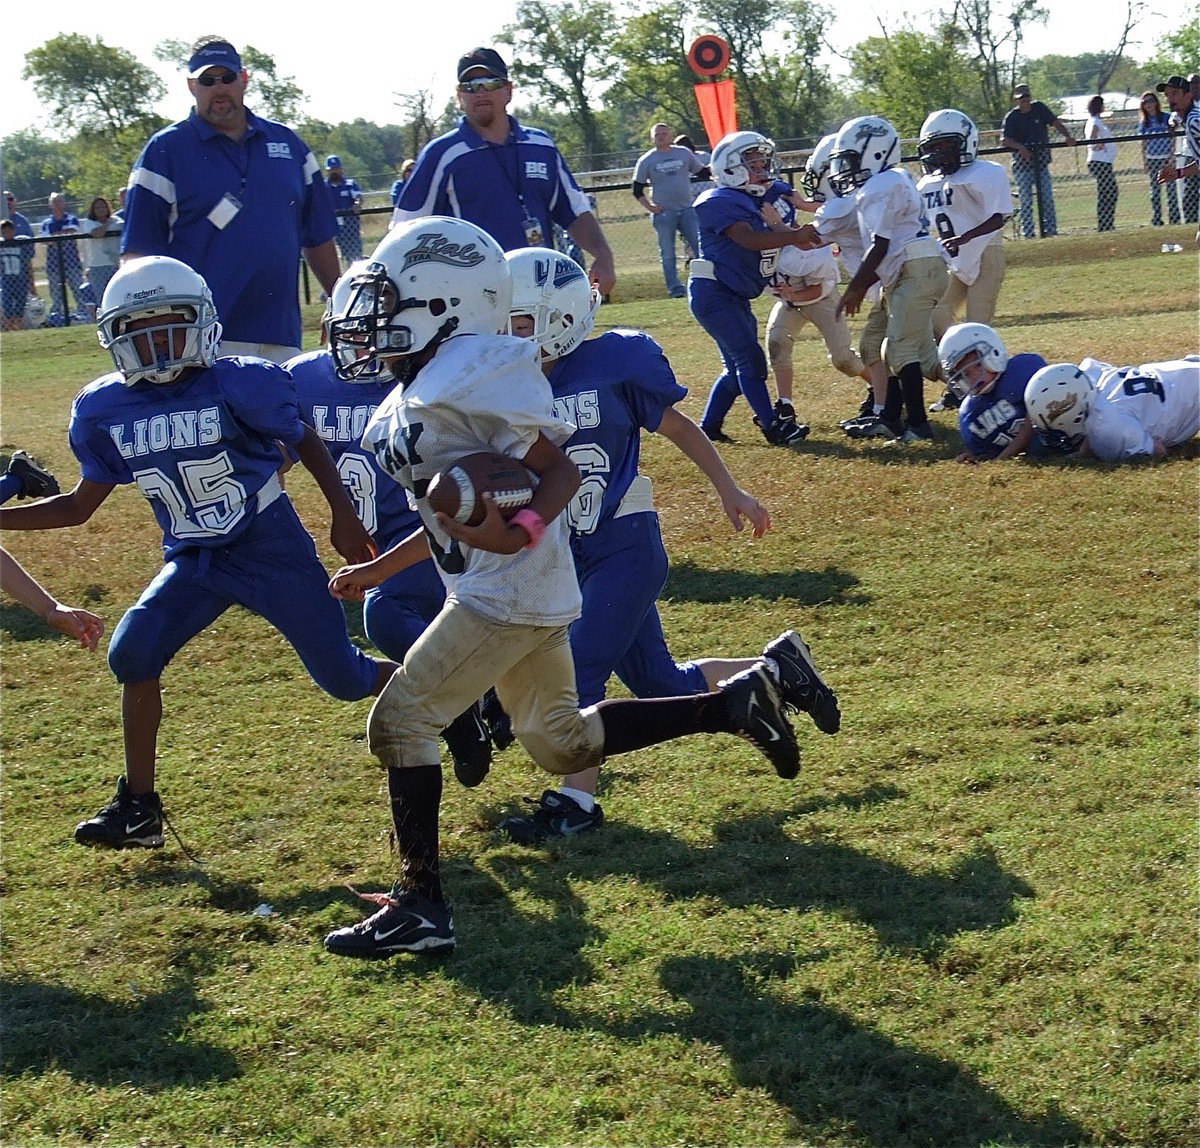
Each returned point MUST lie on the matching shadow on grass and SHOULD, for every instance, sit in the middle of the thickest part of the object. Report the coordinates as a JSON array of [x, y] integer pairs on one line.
[[109, 1042], [691, 583], [755, 863], [837, 1077]]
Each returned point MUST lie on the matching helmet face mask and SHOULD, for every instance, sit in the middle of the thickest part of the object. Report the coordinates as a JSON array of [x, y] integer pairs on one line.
[[815, 180], [864, 147], [427, 280], [553, 291], [972, 357], [157, 320], [949, 141], [351, 347], [744, 160]]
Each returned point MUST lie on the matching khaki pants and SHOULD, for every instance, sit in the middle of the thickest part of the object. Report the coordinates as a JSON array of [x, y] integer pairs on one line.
[[787, 322], [900, 328], [458, 657], [980, 297]]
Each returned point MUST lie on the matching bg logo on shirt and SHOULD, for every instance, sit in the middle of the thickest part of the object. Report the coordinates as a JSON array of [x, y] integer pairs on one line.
[[536, 169], [279, 150]]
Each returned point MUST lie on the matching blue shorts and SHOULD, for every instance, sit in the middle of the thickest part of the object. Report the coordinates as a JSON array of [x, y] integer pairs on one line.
[[622, 570], [272, 570]]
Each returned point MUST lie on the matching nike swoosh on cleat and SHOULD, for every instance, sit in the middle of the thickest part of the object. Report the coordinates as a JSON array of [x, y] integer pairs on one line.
[[380, 937], [750, 712], [131, 829]]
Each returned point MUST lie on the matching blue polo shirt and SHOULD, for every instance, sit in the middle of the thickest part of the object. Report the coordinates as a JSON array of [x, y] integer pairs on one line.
[[493, 185], [239, 212]]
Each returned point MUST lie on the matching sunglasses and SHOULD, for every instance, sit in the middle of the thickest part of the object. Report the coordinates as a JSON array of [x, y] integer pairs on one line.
[[209, 79], [482, 84]]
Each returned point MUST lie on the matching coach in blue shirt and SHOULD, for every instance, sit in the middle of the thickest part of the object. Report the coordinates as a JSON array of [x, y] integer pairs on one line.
[[238, 198], [507, 179]]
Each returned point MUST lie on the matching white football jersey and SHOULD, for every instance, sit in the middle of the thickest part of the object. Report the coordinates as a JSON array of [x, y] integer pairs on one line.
[[1134, 406], [836, 221], [956, 203], [809, 267], [480, 392], [888, 205]]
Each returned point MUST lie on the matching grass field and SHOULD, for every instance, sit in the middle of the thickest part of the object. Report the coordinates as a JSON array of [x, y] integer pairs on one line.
[[971, 921]]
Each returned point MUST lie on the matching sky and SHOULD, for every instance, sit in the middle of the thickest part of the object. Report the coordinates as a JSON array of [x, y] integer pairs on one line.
[[352, 67]]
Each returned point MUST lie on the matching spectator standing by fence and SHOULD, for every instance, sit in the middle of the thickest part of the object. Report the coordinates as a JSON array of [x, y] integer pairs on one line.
[[1186, 115], [667, 170], [237, 198], [1101, 156], [63, 266], [406, 169], [1026, 133], [1156, 155], [103, 245], [347, 202], [21, 224]]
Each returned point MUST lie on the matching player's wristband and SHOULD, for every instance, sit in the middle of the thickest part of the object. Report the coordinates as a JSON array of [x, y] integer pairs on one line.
[[533, 523]]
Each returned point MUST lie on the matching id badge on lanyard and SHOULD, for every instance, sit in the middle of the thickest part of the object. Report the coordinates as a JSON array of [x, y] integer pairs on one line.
[[534, 235]]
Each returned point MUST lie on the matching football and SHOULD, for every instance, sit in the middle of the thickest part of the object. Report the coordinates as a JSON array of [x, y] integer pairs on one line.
[[456, 490]]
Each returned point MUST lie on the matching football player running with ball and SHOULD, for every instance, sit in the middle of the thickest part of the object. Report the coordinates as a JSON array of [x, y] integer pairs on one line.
[[396, 612], [612, 387], [430, 305], [200, 437]]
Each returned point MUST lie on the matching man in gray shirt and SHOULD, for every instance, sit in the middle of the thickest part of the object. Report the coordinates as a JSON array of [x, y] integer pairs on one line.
[[668, 171]]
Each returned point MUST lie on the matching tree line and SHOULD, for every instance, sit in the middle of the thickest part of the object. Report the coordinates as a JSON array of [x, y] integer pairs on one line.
[[596, 79]]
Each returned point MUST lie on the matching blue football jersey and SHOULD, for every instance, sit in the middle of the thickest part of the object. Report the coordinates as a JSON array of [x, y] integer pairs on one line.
[[199, 449], [611, 388], [339, 412], [743, 272], [989, 422]]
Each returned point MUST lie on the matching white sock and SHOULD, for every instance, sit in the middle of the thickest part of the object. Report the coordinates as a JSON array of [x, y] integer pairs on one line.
[[585, 801]]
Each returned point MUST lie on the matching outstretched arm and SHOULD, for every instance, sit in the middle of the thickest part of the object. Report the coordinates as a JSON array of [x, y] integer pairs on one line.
[[72, 508], [739, 505], [18, 582]]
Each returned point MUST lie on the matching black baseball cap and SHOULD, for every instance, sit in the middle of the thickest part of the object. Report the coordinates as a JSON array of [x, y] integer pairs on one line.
[[1174, 82], [486, 58]]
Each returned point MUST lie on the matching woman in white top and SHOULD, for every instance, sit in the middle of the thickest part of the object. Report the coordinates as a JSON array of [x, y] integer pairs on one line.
[[104, 244], [1101, 155]]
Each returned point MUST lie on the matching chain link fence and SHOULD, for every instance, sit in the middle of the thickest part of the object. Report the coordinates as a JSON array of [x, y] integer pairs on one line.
[[46, 280]]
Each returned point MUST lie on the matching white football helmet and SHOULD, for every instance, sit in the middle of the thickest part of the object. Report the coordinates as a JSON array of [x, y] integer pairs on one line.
[[949, 140], [553, 290], [157, 286], [35, 312], [427, 280], [730, 167], [815, 179], [1059, 399], [348, 350], [864, 147], [957, 343]]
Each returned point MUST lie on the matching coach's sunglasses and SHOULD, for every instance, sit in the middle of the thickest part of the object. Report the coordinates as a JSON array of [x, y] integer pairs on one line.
[[482, 84], [209, 80]]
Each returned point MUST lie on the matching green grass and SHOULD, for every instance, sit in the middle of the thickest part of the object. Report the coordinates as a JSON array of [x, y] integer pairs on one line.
[[971, 921]]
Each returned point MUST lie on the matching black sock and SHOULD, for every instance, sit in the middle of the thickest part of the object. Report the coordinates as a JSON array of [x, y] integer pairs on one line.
[[892, 404], [637, 723], [912, 384], [416, 797]]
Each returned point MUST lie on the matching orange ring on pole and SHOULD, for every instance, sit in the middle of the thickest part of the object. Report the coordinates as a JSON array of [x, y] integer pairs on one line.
[[708, 56]]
